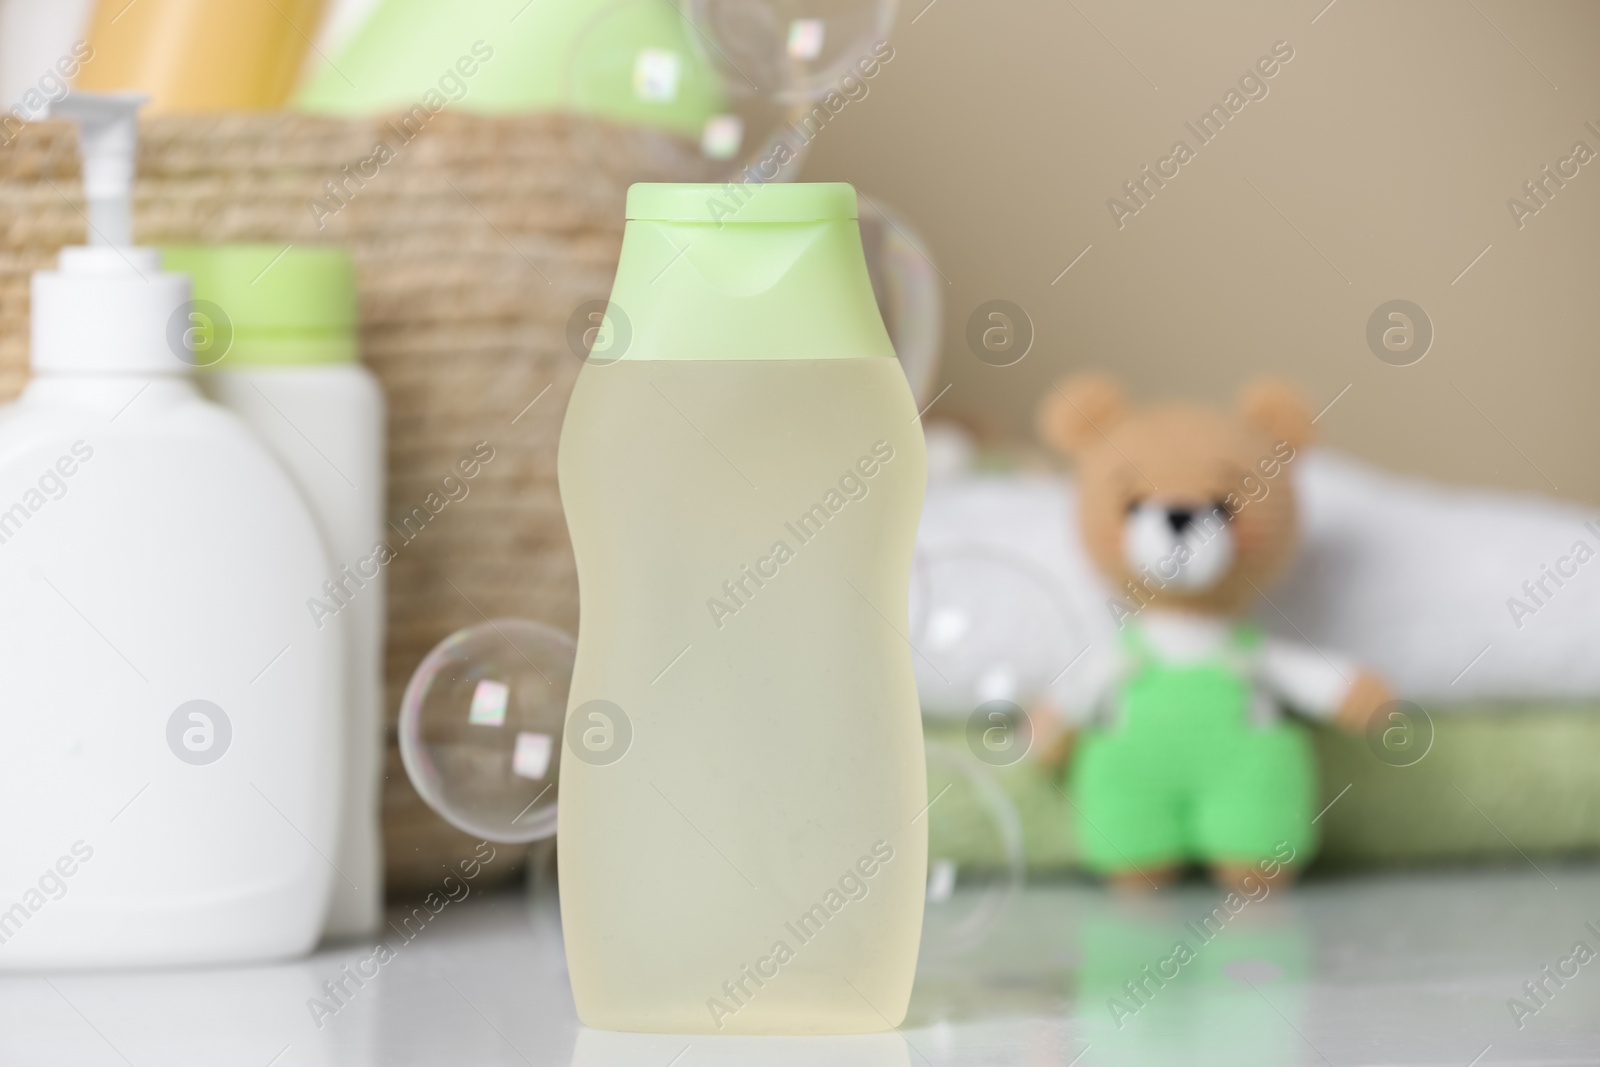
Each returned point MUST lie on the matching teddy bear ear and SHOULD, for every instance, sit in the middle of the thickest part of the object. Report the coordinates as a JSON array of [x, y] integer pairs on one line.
[[1077, 411], [1279, 409]]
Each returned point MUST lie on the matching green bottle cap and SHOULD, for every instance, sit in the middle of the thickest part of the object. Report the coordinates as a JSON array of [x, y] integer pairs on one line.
[[742, 272], [284, 305]]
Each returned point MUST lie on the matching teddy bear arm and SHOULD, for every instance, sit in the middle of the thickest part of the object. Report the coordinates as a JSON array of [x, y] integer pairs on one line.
[[1316, 683], [1368, 692]]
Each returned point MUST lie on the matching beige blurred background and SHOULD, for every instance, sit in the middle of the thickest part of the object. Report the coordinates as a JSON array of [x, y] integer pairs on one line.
[[1378, 167]]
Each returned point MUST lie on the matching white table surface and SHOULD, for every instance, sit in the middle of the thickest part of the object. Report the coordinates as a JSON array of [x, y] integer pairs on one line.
[[1381, 969]]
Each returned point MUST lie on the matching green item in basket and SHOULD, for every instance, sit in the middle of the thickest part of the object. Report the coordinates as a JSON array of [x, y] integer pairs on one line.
[[1182, 773], [269, 304], [631, 62]]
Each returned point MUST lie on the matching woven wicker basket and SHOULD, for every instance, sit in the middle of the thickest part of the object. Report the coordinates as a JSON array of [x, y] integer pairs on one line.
[[473, 245]]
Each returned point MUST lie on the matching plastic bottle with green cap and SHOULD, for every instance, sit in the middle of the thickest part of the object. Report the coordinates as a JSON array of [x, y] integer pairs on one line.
[[275, 340], [742, 469]]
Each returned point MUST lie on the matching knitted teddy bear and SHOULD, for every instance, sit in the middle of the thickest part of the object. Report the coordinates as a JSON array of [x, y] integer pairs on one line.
[[1183, 752]]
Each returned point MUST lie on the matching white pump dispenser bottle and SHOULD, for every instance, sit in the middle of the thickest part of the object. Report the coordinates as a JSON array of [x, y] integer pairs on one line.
[[171, 722]]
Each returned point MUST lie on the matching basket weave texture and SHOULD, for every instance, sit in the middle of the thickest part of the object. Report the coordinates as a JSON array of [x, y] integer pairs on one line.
[[473, 245]]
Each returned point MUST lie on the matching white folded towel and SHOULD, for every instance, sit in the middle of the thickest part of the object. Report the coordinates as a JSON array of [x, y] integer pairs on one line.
[[1423, 582]]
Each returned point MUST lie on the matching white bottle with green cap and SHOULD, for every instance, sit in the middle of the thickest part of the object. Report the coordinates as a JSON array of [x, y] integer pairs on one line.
[[276, 343], [742, 843], [171, 765]]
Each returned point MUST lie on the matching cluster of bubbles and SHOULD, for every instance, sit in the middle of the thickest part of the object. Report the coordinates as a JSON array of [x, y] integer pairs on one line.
[[730, 75]]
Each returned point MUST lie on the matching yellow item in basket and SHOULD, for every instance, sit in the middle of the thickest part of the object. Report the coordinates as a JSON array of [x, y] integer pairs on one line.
[[200, 55]]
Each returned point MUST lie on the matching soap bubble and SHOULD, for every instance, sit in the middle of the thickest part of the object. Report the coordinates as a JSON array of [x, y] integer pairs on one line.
[[990, 625], [999, 733], [740, 80], [757, 139], [909, 291], [790, 50], [634, 63], [975, 854], [481, 724], [643, 64]]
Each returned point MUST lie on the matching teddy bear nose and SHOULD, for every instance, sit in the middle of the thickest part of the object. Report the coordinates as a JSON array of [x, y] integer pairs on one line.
[[1179, 519]]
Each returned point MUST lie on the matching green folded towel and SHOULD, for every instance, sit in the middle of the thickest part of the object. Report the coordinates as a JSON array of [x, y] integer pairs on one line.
[[1501, 782]]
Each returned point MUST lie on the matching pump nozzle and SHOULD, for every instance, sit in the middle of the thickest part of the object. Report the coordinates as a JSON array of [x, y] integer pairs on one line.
[[108, 138]]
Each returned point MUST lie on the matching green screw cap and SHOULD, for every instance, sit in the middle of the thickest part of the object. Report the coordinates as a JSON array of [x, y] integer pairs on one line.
[[287, 305]]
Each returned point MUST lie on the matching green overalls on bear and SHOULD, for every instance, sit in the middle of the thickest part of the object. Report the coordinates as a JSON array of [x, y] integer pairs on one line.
[[1181, 771]]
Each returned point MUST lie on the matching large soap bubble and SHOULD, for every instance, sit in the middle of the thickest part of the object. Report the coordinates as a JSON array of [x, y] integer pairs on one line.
[[976, 863], [789, 50], [646, 64], [634, 62], [480, 728], [990, 625]]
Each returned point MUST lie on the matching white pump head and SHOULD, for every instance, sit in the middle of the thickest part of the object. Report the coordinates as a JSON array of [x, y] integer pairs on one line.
[[108, 136], [109, 308]]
